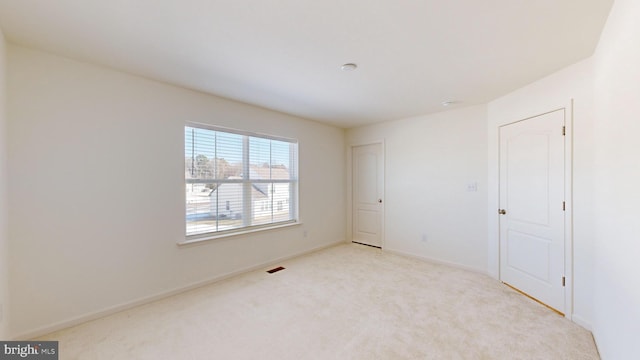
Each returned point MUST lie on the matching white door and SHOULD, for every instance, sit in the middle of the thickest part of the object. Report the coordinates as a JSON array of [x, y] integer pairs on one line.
[[368, 187], [532, 207]]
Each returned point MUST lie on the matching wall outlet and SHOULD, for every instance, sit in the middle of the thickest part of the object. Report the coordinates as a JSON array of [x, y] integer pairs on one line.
[[305, 233], [423, 238]]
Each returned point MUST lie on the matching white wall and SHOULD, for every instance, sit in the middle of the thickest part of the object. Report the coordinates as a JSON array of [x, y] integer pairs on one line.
[[617, 175], [606, 164], [550, 93], [429, 161], [97, 193], [4, 233]]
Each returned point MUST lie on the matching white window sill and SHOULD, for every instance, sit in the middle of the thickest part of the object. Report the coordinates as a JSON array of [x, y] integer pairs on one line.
[[207, 237]]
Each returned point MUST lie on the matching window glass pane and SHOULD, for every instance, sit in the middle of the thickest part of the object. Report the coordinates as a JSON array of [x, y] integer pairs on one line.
[[261, 204], [272, 205], [227, 205], [198, 209], [229, 155], [281, 198], [260, 155], [224, 193], [280, 156], [199, 151]]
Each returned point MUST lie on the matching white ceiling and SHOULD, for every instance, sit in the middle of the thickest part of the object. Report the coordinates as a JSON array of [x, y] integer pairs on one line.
[[286, 54]]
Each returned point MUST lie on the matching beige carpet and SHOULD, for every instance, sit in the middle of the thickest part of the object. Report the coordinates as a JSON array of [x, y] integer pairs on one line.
[[346, 302]]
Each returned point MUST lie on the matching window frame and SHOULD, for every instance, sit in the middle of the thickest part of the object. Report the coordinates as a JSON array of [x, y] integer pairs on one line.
[[247, 183]]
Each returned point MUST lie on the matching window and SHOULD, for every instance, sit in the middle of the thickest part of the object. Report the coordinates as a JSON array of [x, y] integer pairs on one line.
[[233, 179]]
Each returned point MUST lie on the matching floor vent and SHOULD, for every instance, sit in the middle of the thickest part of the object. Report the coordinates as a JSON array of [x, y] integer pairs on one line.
[[275, 270]]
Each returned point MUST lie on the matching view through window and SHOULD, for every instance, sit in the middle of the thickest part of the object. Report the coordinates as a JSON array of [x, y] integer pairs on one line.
[[236, 180]]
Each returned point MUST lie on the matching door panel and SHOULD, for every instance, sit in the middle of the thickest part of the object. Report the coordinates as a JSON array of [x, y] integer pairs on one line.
[[368, 185], [529, 254], [369, 222], [529, 175], [532, 194], [367, 169]]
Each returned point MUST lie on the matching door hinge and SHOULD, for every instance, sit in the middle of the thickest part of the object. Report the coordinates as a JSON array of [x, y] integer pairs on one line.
[[564, 206], [564, 130], [563, 280]]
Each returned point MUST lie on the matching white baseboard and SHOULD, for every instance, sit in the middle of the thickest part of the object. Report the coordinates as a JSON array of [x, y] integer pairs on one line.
[[581, 321], [438, 261], [148, 299]]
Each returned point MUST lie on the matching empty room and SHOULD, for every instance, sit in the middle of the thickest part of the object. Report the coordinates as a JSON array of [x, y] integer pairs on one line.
[[206, 179]]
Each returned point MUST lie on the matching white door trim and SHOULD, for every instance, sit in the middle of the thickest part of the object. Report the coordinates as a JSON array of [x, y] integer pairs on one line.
[[494, 193], [349, 165], [568, 216]]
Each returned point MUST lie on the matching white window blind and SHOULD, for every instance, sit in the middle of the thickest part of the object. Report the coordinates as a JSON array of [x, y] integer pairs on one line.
[[236, 180]]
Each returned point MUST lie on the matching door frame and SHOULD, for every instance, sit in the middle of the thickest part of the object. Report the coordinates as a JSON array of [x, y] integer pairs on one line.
[[494, 190], [349, 171]]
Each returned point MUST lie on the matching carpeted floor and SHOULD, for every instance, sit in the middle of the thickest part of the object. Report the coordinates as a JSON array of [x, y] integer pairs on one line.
[[346, 302]]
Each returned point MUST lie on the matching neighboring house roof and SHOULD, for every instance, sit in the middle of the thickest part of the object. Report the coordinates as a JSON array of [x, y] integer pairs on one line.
[[265, 173], [255, 173], [256, 193]]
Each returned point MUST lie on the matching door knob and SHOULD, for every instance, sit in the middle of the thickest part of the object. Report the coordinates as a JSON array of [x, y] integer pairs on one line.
[[380, 201], [502, 211]]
